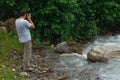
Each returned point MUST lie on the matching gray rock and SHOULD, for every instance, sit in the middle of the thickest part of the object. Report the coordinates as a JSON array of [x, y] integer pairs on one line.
[[65, 48], [23, 74], [62, 47], [103, 53]]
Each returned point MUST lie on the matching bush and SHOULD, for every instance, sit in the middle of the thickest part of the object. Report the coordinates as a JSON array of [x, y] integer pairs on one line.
[[54, 19], [108, 15], [59, 20]]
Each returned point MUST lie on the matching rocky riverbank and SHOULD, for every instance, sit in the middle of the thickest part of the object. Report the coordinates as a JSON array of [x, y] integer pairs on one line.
[[46, 64]]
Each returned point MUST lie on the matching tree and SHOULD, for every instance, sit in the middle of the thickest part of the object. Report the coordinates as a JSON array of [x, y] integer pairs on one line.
[[59, 20]]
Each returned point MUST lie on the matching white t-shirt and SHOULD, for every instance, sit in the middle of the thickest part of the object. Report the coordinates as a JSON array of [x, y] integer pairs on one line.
[[22, 27]]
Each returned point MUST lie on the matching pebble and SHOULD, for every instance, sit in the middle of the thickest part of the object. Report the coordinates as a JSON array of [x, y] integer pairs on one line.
[[23, 74], [13, 69]]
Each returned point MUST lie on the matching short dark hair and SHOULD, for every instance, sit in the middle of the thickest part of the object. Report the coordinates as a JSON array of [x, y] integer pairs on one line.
[[22, 12]]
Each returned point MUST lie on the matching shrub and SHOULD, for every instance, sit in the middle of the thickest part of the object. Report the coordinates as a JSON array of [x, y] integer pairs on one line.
[[59, 20]]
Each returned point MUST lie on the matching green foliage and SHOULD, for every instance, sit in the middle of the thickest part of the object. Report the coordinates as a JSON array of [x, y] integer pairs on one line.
[[87, 30], [7, 74], [54, 19], [108, 17], [8, 42], [10, 8], [59, 20]]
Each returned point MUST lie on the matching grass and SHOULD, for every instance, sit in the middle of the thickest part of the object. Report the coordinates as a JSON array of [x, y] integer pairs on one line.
[[6, 73], [8, 43]]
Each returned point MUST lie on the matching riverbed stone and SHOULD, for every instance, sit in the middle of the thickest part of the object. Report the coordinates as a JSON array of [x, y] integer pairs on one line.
[[65, 48], [62, 47], [23, 74], [103, 53]]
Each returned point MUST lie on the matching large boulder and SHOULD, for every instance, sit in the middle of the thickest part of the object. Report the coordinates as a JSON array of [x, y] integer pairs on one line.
[[62, 47], [10, 25], [103, 53], [65, 48]]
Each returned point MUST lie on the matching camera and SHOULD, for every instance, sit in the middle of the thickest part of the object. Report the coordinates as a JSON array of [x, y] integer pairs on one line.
[[29, 14]]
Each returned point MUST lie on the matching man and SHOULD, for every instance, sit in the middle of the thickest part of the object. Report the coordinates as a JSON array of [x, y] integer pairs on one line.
[[22, 27]]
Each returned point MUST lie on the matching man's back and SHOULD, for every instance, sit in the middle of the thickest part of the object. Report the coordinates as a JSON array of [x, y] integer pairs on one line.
[[22, 27]]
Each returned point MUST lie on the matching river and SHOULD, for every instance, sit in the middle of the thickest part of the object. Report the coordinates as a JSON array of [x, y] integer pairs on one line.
[[94, 71]]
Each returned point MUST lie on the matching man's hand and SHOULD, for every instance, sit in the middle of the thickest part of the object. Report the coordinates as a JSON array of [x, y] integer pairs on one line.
[[30, 20]]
